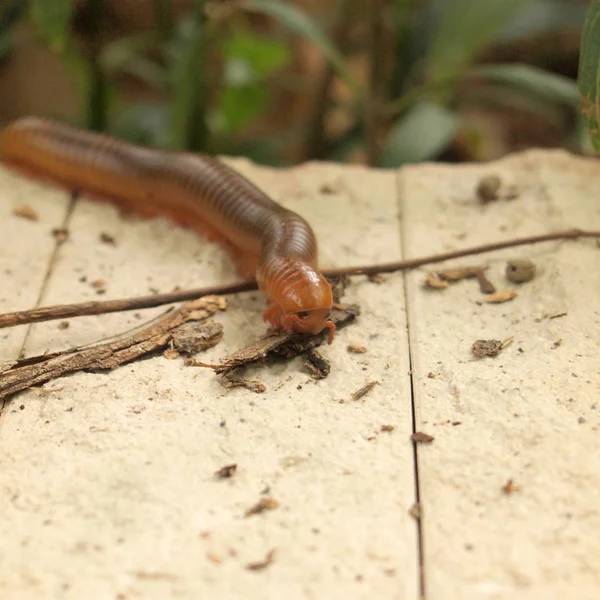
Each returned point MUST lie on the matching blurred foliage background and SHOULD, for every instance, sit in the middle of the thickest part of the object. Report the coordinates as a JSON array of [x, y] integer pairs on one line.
[[381, 82]]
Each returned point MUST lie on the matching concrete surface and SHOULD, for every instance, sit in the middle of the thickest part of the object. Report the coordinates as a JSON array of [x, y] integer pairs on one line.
[[107, 480]]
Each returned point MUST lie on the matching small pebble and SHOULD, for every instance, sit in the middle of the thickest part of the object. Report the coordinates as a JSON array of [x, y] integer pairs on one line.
[[520, 270], [488, 188]]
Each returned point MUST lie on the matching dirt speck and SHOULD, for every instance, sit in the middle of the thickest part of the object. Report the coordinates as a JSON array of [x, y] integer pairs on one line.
[[226, 472], [420, 437], [24, 211]]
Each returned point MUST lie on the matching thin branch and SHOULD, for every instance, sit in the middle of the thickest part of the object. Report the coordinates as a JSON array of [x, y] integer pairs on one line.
[[82, 309], [413, 263], [65, 311]]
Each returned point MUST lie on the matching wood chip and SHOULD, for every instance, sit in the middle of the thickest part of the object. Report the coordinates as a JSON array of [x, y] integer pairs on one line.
[[376, 278], [229, 383], [277, 346], [261, 506], [24, 211], [441, 279], [387, 428], [434, 282], [213, 557], [226, 472], [459, 273], [355, 349], [191, 338], [421, 438], [500, 297], [509, 487], [365, 389], [483, 348], [317, 366], [263, 564], [152, 337], [485, 285], [98, 284]]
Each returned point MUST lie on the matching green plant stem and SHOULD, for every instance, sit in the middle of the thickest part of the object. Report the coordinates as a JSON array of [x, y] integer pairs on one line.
[[97, 100], [163, 16], [190, 87], [404, 62]]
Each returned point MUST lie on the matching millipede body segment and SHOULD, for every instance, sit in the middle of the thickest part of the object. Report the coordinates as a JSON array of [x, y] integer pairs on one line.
[[267, 241]]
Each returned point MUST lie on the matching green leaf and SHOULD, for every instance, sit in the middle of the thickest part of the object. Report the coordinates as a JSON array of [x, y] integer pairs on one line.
[[249, 61], [589, 72], [525, 78], [251, 58], [52, 18], [465, 28], [239, 105], [299, 22], [423, 132]]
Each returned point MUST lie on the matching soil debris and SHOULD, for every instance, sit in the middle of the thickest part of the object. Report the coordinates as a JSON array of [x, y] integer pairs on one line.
[[501, 297], [364, 390], [355, 349], [482, 348], [226, 472], [258, 387], [24, 211], [281, 345], [262, 564], [316, 364], [106, 238], [261, 506], [520, 270], [420, 437]]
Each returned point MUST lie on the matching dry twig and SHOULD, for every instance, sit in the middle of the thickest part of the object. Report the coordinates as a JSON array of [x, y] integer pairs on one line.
[[64, 311], [280, 344], [159, 334]]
